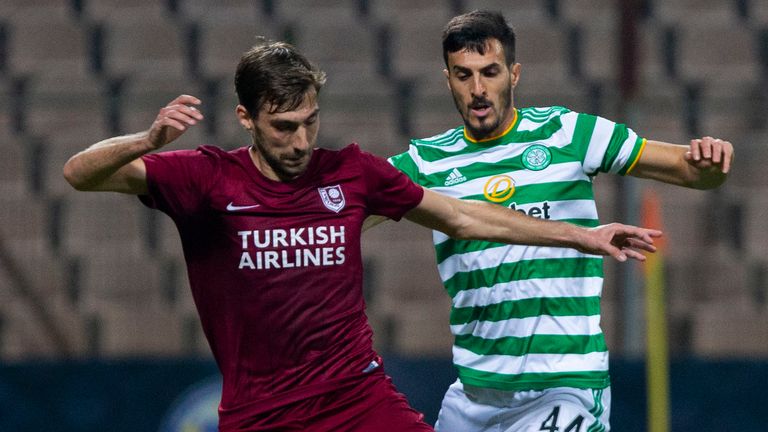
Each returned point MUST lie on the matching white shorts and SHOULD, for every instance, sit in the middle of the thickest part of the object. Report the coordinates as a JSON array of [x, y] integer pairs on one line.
[[562, 409]]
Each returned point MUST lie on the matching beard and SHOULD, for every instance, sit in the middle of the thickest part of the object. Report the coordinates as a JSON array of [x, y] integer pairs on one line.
[[284, 166], [487, 127]]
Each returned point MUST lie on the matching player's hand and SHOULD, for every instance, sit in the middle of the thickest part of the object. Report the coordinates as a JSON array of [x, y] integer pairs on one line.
[[620, 241], [173, 120], [709, 153]]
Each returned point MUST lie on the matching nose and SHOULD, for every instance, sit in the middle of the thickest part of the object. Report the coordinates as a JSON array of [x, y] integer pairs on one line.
[[478, 87], [301, 140]]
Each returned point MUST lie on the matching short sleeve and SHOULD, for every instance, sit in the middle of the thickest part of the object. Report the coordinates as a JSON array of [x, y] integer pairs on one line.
[[390, 193], [178, 182], [607, 146]]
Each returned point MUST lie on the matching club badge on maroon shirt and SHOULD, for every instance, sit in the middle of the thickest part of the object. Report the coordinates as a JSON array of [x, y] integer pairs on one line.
[[333, 197]]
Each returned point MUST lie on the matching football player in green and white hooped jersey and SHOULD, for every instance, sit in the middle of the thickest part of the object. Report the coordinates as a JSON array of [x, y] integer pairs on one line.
[[528, 346]]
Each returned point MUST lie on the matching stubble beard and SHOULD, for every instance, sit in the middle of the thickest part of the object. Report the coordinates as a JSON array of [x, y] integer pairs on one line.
[[275, 162], [484, 131]]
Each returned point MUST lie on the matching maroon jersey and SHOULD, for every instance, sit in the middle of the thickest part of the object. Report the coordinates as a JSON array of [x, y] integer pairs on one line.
[[275, 267]]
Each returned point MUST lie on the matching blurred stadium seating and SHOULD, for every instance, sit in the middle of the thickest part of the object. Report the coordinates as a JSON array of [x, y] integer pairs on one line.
[[110, 275]]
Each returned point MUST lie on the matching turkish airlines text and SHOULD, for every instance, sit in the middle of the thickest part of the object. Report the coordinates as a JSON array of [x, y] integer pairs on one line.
[[289, 248]]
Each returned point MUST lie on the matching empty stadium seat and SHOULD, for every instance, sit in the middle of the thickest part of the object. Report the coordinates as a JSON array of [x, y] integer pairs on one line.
[[431, 107], [23, 333], [120, 278], [14, 168], [599, 59], [135, 45], [521, 11], [706, 12], [93, 222], [730, 329], [25, 223], [378, 136], [23, 336], [749, 173], [733, 111], [416, 46], [323, 11], [589, 12], [718, 277], [223, 41], [721, 54], [44, 43], [33, 10], [759, 12], [124, 332], [658, 112], [65, 104], [755, 201], [340, 45], [654, 48], [425, 11], [542, 52], [532, 93], [99, 10]]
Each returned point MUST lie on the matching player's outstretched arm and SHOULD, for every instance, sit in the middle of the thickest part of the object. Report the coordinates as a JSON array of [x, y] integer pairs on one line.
[[484, 221], [703, 164], [115, 164]]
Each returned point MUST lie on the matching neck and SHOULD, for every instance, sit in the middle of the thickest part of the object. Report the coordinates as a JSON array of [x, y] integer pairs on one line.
[[263, 166]]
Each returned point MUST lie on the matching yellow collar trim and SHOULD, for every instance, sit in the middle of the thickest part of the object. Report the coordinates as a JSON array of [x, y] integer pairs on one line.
[[637, 158], [506, 131]]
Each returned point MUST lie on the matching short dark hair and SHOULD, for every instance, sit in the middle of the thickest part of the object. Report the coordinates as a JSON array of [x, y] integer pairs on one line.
[[275, 73], [471, 30]]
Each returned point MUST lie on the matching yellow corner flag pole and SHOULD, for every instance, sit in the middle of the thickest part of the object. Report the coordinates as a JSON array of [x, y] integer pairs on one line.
[[657, 356]]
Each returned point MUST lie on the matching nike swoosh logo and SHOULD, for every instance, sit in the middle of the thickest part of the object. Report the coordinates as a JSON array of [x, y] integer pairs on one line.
[[233, 207]]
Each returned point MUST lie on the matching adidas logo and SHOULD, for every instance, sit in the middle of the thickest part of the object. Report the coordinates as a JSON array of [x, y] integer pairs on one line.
[[455, 177]]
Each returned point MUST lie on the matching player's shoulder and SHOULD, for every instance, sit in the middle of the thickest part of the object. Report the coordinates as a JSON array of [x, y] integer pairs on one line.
[[348, 151], [544, 118], [223, 161], [201, 154], [345, 157], [544, 113], [443, 139], [215, 155], [214, 152]]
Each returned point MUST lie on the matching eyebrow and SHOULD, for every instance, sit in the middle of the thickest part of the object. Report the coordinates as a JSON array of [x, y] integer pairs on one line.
[[287, 122], [487, 68]]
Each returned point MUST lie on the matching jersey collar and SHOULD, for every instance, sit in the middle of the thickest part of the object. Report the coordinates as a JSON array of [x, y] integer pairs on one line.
[[506, 131]]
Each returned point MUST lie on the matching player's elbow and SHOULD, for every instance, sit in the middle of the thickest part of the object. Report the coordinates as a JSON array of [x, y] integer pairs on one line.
[[73, 176]]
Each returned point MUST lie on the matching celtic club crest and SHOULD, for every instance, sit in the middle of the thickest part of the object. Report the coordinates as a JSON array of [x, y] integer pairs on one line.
[[537, 157], [333, 197]]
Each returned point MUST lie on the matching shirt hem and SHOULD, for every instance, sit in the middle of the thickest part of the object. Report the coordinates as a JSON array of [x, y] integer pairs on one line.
[[537, 385]]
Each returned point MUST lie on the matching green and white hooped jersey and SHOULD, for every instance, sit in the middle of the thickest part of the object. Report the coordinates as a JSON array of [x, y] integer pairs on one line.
[[525, 317]]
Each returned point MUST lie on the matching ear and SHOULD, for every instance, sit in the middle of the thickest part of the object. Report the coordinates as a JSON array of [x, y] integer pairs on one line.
[[514, 74], [244, 117], [447, 78]]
